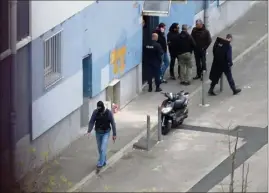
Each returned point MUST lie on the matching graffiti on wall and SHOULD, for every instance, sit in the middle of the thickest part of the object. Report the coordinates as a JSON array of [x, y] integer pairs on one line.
[[117, 59]]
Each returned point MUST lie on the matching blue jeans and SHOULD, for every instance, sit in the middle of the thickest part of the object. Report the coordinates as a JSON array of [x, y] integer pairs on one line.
[[102, 141], [165, 64]]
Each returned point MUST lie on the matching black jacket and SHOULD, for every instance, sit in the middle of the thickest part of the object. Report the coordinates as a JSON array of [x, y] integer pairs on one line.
[[222, 58], [162, 40], [153, 54], [202, 38], [171, 37], [184, 43]]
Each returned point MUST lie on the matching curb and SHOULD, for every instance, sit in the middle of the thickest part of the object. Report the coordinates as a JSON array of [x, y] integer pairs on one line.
[[127, 148], [112, 160]]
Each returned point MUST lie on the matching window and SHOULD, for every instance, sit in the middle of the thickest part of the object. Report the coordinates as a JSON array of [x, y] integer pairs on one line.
[[156, 8], [52, 60]]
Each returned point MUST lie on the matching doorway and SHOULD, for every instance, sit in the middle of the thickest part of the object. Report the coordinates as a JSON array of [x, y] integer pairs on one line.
[[87, 89], [150, 24]]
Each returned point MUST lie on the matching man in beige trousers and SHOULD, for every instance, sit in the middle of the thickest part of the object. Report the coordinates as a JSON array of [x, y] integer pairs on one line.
[[185, 47]]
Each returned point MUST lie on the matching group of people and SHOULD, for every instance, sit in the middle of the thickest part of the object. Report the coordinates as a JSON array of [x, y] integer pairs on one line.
[[181, 45]]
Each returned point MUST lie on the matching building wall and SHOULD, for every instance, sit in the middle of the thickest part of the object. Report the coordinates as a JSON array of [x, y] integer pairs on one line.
[[118, 34], [222, 14], [24, 93], [59, 11], [89, 31], [180, 12]]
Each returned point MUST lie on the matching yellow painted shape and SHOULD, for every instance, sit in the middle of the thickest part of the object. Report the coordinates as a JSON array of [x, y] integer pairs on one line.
[[122, 53], [117, 59]]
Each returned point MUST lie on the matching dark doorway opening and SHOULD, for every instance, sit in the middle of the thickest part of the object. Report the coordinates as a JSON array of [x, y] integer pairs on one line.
[[150, 24]]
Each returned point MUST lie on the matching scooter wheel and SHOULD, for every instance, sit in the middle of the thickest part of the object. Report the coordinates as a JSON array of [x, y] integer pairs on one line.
[[165, 131]]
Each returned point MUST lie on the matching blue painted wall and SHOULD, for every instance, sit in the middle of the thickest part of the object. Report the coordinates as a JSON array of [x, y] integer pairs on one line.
[[199, 6], [98, 29], [72, 53], [109, 25], [180, 13]]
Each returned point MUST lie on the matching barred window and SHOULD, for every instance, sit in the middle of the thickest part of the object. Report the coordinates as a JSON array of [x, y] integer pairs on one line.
[[53, 60]]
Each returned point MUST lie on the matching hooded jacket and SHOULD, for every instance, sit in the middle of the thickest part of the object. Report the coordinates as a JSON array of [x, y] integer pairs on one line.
[[201, 37], [171, 37], [185, 43], [222, 58], [161, 39]]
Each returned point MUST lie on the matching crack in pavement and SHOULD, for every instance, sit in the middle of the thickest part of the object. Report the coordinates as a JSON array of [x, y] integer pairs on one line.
[[255, 138]]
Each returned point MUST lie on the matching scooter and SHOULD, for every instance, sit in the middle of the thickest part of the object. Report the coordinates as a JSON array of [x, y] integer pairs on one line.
[[174, 110]]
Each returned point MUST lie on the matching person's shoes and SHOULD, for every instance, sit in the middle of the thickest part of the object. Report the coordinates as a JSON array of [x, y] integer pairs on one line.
[[201, 78], [163, 81], [150, 89], [187, 83], [104, 164], [183, 83], [196, 77], [172, 77], [99, 167], [211, 92], [236, 91], [158, 89]]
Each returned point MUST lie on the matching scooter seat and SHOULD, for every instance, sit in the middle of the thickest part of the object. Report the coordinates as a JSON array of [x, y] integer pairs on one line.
[[179, 102]]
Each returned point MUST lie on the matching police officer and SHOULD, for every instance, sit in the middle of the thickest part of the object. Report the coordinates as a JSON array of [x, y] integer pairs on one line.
[[222, 63], [153, 61]]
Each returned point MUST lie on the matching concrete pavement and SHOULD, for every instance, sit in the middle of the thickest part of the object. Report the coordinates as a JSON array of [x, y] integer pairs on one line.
[[195, 158], [79, 159]]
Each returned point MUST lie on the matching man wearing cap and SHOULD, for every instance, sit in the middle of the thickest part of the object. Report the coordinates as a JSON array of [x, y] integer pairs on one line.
[[103, 121], [203, 40]]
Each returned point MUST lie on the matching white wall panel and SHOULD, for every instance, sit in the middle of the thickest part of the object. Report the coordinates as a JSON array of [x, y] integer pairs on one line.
[[56, 104], [47, 14]]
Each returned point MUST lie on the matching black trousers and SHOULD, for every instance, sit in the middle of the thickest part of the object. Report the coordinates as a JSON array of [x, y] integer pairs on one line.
[[154, 72], [229, 76], [200, 60], [172, 66]]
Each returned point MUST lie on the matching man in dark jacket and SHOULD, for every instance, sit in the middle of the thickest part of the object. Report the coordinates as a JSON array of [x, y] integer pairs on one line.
[[202, 39], [153, 61], [171, 36], [103, 120], [222, 63], [185, 46], [162, 41]]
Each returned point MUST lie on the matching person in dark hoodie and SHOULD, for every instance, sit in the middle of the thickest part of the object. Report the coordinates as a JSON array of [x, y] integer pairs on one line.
[[185, 47], [171, 36], [203, 40], [222, 63], [103, 121], [162, 41]]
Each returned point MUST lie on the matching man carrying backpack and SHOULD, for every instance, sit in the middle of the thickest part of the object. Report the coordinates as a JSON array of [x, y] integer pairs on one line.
[[103, 121]]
